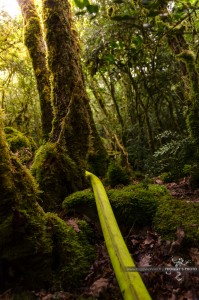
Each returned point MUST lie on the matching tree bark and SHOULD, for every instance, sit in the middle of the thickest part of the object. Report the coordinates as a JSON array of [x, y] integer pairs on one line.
[[71, 121], [34, 41]]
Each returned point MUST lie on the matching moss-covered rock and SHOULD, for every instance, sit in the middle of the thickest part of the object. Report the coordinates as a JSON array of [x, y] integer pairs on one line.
[[72, 254], [132, 205], [136, 205], [172, 213], [57, 175], [139, 206]]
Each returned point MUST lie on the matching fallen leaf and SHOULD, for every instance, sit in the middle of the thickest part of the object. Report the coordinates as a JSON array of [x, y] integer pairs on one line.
[[73, 223], [194, 253], [99, 286]]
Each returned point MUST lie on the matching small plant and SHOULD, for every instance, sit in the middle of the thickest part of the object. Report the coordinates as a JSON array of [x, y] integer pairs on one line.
[[117, 175], [171, 157]]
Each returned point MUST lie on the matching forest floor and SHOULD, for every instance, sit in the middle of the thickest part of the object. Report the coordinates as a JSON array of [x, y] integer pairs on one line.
[[147, 249]]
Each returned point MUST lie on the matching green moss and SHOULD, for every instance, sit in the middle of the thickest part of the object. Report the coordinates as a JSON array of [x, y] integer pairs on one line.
[[117, 175], [171, 214], [33, 38], [72, 253], [37, 250], [18, 140], [188, 57], [24, 146], [97, 161], [134, 204], [71, 120], [193, 123], [56, 174]]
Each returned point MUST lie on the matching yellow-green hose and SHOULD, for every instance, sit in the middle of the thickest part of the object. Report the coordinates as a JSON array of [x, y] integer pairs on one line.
[[131, 284]]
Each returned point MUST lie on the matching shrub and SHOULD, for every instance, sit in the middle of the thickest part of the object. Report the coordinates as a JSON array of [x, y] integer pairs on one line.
[[117, 175]]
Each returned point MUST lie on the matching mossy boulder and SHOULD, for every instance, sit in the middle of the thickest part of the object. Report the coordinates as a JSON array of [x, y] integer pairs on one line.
[[132, 205], [72, 254], [172, 213], [57, 175], [136, 205]]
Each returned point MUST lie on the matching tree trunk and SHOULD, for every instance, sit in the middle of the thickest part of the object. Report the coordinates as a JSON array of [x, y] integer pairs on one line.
[[71, 120], [34, 41], [59, 166], [37, 250]]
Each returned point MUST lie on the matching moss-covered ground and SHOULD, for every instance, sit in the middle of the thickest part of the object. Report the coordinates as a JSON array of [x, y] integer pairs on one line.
[[137, 205], [173, 213]]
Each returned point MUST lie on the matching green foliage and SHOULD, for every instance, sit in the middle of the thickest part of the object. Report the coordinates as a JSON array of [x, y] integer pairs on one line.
[[167, 177], [85, 6], [117, 175], [173, 213], [134, 204], [18, 92], [142, 49], [172, 156]]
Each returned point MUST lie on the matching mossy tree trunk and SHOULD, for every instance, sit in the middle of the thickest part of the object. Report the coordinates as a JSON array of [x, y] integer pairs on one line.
[[59, 166], [37, 250], [71, 121], [188, 63], [34, 41]]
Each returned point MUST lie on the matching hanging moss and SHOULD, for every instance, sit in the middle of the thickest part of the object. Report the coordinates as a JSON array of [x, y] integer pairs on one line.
[[173, 213], [193, 123]]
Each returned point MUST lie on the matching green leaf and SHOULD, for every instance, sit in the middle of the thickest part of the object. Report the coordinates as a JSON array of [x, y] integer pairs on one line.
[[92, 8], [82, 3], [110, 58], [137, 40]]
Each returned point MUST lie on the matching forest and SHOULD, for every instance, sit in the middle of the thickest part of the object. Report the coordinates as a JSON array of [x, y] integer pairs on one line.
[[110, 87]]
